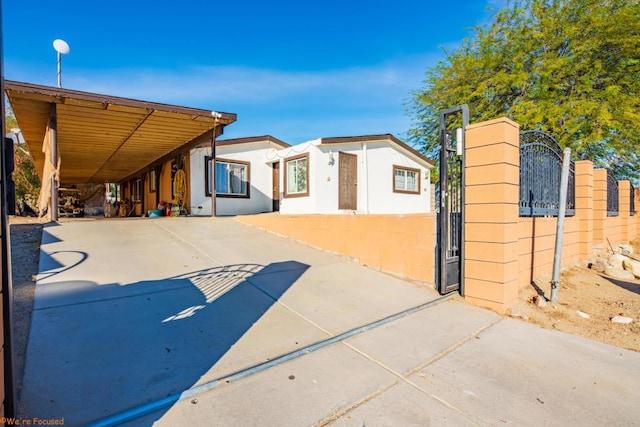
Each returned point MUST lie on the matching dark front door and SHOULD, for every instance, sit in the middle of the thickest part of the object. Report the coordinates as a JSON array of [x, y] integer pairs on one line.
[[348, 181], [276, 187], [451, 200]]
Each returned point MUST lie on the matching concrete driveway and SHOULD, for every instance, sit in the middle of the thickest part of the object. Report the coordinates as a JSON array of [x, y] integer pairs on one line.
[[201, 321]]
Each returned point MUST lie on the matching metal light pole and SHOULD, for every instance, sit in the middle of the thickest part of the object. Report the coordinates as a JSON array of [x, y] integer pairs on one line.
[[214, 204], [62, 48]]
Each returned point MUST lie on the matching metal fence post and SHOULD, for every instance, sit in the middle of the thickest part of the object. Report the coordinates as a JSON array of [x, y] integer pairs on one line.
[[557, 257]]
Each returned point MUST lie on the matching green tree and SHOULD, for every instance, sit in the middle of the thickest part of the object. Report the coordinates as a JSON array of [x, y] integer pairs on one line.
[[567, 67], [27, 183]]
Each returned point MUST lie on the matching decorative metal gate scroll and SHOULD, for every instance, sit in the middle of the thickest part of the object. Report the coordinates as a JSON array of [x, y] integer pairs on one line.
[[450, 269], [613, 200], [540, 167]]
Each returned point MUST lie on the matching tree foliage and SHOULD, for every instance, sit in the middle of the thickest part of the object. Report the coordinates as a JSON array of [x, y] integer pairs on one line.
[[25, 177], [567, 67]]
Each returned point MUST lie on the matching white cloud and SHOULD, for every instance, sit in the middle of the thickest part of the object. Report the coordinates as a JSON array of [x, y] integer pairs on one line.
[[236, 85], [292, 105]]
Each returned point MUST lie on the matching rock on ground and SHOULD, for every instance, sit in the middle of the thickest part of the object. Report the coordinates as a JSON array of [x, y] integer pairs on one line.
[[626, 248], [540, 301], [519, 314], [616, 260], [632, 267], [621, 319], [598, 265], [619, 273]]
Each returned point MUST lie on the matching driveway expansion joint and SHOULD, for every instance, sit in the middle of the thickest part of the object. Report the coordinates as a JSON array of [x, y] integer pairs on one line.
[[405, 378], [142, 410]]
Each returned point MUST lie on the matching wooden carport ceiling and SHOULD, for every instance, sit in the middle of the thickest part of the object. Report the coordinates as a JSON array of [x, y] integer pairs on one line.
[[105, 138]]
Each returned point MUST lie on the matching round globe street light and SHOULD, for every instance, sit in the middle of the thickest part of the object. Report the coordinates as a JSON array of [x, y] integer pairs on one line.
[[62, 48]]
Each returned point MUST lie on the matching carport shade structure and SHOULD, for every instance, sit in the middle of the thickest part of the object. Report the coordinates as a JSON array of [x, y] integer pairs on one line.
[[102, 138]]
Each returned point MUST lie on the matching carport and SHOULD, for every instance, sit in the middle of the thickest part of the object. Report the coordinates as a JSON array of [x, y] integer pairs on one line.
[[92, 138]]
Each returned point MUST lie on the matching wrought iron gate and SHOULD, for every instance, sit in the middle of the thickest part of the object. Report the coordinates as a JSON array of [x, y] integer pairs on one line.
[[450, 271]]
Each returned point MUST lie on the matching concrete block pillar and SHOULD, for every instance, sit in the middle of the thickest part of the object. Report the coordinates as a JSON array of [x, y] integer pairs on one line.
[[491, 215], [599, 206], [584, 207]]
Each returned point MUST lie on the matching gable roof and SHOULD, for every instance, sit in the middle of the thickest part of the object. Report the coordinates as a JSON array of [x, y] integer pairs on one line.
[[104, 138], [246, 140], [379, 137]]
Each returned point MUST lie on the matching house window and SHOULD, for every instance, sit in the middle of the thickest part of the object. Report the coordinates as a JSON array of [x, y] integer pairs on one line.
[[152, 181], [406, 180], [296, 177], [232, 178], [137, 190]]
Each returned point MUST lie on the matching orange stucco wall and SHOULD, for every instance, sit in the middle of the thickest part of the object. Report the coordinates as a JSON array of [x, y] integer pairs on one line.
[[398, 244], [505, 252], [149, 197], [165, 183], [536, 246]]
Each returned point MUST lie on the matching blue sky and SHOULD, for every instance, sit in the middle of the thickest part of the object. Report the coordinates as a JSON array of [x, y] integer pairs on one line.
[[297, 70]]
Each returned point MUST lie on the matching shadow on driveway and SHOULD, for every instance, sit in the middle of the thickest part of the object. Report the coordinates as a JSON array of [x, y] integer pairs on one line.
[[96, 350]]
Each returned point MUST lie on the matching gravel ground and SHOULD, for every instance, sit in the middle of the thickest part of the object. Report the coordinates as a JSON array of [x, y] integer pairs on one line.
[[25, 252], [587, 301]]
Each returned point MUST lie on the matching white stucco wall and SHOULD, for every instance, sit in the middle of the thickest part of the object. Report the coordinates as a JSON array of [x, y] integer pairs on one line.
[[260, 155], [200, 204], [382, 199], [375, 180], [306, 204]]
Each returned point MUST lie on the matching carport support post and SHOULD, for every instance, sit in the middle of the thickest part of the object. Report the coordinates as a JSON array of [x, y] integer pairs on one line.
[[213, 166], [53, 135]]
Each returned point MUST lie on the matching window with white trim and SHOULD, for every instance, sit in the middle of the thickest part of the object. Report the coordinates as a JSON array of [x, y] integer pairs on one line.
[[296, 178], [406, 180]]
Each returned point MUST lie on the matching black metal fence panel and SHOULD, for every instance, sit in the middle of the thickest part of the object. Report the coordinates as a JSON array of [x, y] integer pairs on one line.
[[632, 201], [540, 170], [612, 195]]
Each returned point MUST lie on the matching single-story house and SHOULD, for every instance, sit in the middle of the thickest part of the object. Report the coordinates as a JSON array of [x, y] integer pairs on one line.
[[243, 176], [377, 174]]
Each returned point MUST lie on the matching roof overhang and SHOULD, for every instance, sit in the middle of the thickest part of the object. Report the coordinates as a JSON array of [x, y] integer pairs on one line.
[[274, 142], [104, 138], [253, 139], [407, 149]]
